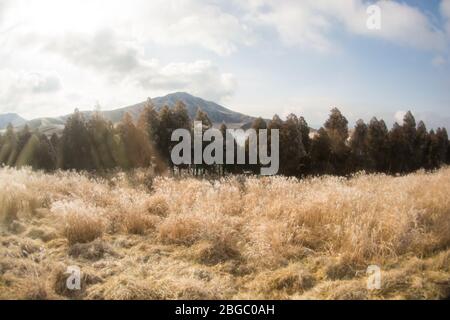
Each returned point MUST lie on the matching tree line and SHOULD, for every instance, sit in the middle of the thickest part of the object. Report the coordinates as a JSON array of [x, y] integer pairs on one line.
[[96, 144]]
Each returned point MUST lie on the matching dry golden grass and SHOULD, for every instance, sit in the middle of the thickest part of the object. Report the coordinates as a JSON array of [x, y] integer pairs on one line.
[[235, 238]]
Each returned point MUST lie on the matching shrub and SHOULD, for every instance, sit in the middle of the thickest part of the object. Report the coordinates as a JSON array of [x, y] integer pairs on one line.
[[82, 228], [138, 223]]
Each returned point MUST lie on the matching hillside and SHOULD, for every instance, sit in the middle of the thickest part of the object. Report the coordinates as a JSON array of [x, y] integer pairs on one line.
[[217, 113]]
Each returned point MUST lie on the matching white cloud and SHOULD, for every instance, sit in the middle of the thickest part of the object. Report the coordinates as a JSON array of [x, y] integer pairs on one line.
[[200, 77], [164, 22], [312, 23], [101, 49], [120, 61], [202, 23], [100, 54], [19, 88]]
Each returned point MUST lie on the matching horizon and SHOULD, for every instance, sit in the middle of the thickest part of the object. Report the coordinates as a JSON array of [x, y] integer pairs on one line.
[[304, 57], [397, 118]]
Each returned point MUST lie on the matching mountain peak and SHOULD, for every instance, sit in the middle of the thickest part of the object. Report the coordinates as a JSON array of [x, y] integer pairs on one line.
[[181, 94]]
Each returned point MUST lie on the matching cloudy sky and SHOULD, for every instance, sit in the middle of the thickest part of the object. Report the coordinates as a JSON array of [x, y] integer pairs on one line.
[[258, 57]]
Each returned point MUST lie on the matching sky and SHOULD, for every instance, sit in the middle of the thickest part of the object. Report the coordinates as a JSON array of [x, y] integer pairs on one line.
[[258, 57]]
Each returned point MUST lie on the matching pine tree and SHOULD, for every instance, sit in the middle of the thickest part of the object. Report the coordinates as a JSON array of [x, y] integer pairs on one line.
[[377, 145], [398, 149], [167, 125], [206, 124], [359, 147], [442, 137], [135, 143], [409, 140], [2, 143], [181, 120], [9, 144], [204, 119], [305, 131], [292, 151], [45, 155], [26, 156], [76, 148], [149, 122], [421, 145], [23, 137], [101, 136], [433, 151], [321, 153], [225, 167], [337, 129], [257, 125], [181, 116], [448, 154]]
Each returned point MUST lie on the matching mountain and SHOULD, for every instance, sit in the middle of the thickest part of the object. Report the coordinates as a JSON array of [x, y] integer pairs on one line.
[[216, 113], [12, 118]]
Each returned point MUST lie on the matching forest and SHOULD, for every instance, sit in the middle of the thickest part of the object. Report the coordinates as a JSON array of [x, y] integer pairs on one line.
[[97, 145]]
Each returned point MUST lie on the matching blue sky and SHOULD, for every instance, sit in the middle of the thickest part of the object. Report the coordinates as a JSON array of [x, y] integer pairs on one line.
[[258, 57]]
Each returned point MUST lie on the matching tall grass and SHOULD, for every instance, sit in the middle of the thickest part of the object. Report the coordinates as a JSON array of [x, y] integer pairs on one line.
[[284, 235]]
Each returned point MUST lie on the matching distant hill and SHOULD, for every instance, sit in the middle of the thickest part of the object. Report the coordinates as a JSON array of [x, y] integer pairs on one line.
[[217, 113], [12, 118]]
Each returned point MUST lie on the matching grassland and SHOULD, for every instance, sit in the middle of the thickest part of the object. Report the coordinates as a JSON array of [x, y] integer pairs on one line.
[[138, 237]]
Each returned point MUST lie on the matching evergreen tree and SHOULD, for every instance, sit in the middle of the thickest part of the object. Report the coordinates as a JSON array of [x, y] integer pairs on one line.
[[448, 153], [321, 153], [167, 125], [377, 145], [181, 120], [337, 130], [204, 119], [398, 149], [9, 145], [181, 116], [421, 145], [101, 136], [2, 142], [275, 124], [359, 147], [76, 148], [37, 153], [206, 124], [26, 156], [305, 131], [433, 151], [442, 137], [135, 142], [257, 125], [225, 168], [149, 122], [22, 139], [292, 151], [45, 155], [409, 141]]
